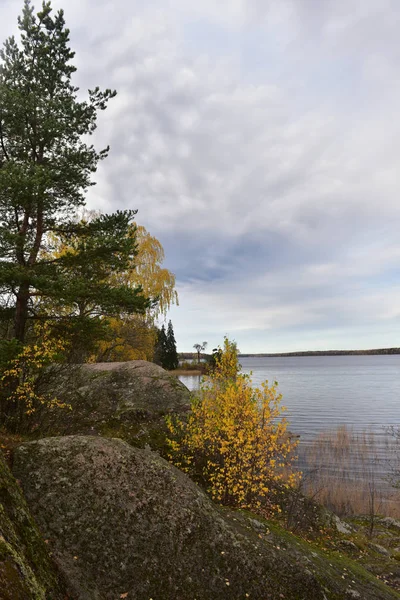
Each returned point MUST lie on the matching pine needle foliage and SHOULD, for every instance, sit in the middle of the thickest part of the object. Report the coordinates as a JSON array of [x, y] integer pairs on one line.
[[46, 168], [235, 441]]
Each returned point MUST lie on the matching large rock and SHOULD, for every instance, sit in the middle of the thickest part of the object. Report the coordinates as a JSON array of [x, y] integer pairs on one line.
[[128, 400], [26, 570], [123, 523]]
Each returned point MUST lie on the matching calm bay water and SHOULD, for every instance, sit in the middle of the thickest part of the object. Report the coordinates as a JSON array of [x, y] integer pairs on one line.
[[322, 392]]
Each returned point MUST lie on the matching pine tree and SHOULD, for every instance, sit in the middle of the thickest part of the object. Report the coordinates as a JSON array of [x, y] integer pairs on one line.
[[45, 170], [172, 355]]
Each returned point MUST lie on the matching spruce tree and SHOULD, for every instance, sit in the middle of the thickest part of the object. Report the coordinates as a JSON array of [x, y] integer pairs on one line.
[[46, 167], [160, 354], [172, 355]]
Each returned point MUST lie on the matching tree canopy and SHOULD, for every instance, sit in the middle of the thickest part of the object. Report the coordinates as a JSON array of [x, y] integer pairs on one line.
[[127, 336], [165, 351], [199, 349], [46, 167], [134, 336]]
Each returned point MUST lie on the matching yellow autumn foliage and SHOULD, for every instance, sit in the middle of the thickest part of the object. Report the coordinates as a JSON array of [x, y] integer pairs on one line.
[[133, 337], [147, 271], [235, 440], [20, 379]]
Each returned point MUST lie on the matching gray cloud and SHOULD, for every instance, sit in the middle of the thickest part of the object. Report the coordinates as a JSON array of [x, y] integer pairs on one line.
[[260, 143]]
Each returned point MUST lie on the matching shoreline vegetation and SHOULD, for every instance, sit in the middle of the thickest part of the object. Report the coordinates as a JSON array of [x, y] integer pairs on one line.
[[188, 372], [347, 471], [353, 472], [191, 368]]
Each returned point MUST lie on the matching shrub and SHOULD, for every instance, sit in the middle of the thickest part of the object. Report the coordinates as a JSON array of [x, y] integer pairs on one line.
[[21, 376], [235, 441]]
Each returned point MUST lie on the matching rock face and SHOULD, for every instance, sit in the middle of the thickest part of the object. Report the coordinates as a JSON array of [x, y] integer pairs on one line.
[[26, 571], [123, 523], [128, 400]]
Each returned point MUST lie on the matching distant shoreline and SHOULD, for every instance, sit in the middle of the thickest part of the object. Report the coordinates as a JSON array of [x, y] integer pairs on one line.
[[373, 351], [376, 351]]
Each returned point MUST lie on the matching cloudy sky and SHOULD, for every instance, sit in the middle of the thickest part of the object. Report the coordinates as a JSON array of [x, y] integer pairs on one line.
[[260, 142]]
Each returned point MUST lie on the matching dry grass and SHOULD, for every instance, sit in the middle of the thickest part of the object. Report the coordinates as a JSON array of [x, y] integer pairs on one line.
[[348, 472]]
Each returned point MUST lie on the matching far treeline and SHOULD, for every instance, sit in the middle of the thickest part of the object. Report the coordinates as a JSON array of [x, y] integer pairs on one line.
[[375, 351]]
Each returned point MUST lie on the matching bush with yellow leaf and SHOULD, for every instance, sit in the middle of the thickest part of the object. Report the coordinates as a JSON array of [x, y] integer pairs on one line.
[[235, 441], [21, 377]]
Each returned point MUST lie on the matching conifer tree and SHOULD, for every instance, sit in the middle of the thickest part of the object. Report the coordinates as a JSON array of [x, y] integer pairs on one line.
[[160, 354], [45, 169], [172, 361], [165, 352]]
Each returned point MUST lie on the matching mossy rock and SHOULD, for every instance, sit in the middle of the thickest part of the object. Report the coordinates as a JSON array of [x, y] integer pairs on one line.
[[26, 569], [128, 400], [122, 522], [376, 548]]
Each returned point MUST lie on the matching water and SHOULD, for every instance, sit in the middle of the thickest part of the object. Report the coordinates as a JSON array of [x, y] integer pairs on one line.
[[323, 392]]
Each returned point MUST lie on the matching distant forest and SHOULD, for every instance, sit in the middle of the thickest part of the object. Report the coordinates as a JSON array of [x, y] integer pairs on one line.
[[329, 352], [376, 351]]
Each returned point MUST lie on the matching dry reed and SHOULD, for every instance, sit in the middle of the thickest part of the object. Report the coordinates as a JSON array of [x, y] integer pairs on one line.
[[349, 472]]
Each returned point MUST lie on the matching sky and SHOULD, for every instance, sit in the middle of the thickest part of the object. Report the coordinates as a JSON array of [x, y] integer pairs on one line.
[[260, 142]]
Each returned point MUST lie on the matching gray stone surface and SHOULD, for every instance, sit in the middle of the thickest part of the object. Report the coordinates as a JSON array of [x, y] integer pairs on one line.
[[380, 549], [390, 522], [26, 570], [123, 523], [127, 400], [340, 525]]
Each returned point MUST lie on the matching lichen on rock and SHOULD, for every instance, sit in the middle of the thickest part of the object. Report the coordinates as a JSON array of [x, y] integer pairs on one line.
[[121, 520], [128, 400], [26, 569]]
